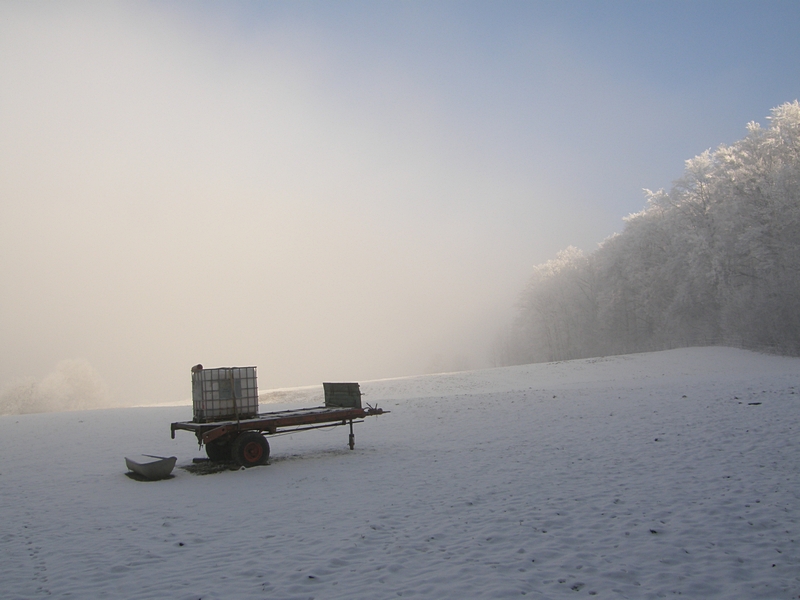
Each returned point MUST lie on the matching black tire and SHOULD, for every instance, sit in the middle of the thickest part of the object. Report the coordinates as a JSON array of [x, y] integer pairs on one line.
[[219, 450], [250, 449]]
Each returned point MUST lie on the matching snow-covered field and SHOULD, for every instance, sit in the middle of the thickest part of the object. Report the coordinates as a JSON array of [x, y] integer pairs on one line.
[[641, 476]]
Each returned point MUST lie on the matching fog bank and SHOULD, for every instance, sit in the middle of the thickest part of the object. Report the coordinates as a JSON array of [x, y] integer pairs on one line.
[[73, 385], [333, 191]]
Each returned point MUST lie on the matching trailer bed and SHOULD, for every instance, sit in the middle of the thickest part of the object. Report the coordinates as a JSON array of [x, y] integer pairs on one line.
[[276, 422], [244, 440], [227, 421]]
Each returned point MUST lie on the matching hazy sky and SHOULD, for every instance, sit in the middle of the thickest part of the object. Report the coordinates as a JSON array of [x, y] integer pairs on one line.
[[337, 190]]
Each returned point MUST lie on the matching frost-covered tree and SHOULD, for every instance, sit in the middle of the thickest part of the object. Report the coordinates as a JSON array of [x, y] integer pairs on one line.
[[558, 311], [716, 259]]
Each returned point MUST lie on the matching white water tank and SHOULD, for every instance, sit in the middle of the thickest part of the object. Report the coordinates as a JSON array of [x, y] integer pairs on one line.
[[224, 393]]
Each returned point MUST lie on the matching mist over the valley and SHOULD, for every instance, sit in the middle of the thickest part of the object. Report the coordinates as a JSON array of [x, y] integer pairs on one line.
[[330, 192], [73, 385]]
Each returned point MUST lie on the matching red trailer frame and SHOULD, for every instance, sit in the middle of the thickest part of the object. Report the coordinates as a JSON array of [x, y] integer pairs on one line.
[[244, 441]]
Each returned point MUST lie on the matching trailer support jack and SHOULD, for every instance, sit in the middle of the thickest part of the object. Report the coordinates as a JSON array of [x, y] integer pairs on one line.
[[352, 440]]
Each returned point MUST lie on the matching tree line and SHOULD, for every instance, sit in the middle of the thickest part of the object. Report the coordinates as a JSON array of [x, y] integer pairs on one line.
[[714, 260]]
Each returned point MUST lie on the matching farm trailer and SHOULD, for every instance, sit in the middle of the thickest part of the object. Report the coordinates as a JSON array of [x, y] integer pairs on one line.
[[227, 422]]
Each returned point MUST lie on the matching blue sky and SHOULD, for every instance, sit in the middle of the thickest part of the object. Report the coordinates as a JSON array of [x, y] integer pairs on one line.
[[338, 190], [536, 84]]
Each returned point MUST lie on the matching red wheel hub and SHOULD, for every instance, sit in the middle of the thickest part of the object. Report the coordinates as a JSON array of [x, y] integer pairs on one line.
[[253, 451]]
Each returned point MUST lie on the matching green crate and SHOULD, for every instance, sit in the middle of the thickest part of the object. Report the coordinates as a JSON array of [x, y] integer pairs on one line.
[[342, 395]]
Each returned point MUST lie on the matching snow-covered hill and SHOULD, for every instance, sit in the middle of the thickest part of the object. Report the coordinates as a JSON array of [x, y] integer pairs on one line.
[[640, 476]]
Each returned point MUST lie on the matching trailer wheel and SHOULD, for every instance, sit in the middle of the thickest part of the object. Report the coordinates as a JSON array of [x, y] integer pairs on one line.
[[219, 450], [250, 449]]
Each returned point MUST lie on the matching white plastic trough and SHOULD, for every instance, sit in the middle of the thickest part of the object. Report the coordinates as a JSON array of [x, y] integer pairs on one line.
[[159, 468]]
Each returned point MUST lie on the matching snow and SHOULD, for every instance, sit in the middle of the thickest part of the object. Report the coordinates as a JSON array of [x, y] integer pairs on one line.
[[640, 476]]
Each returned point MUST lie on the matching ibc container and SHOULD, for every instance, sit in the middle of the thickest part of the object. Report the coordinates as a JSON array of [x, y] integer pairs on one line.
[[224, 393]]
